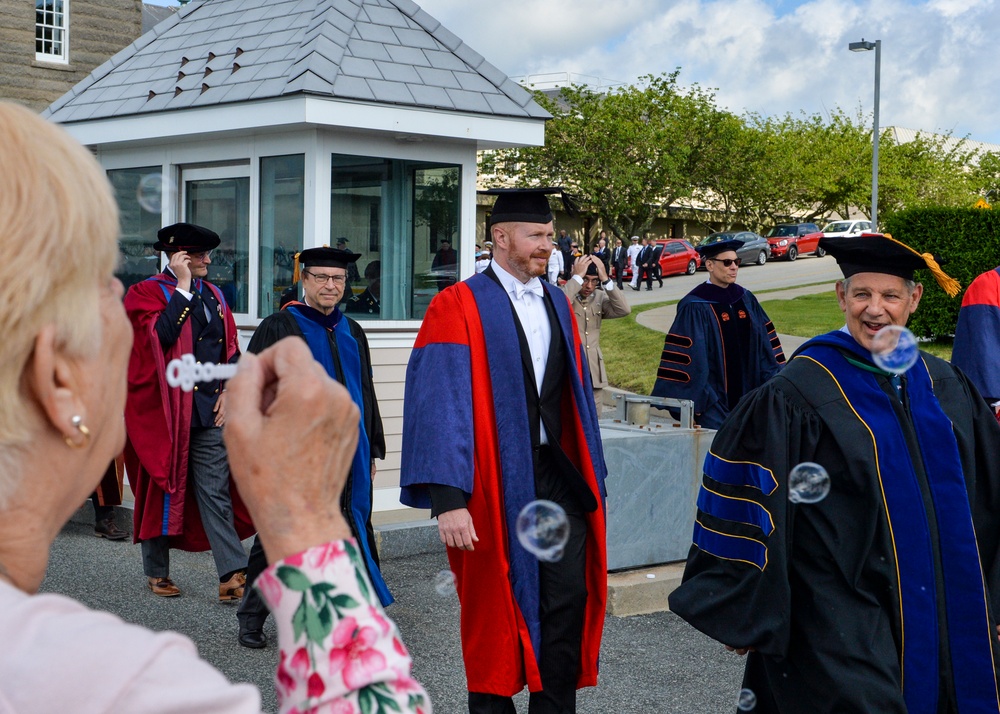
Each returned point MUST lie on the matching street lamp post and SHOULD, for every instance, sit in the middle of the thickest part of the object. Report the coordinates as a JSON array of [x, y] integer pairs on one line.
[[864, 47]]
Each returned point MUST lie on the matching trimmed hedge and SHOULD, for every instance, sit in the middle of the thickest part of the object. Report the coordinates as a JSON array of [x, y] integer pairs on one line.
[[967, 240]]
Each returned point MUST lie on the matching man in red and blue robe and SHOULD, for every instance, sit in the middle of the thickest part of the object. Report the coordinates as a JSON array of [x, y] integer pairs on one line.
[[498, 413]]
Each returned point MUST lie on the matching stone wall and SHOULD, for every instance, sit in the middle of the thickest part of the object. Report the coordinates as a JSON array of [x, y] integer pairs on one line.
[[97, 30]]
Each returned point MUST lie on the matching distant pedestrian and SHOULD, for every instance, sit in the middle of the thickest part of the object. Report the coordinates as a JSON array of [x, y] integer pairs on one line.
[[633, 261], [654, 264], [619, 259], [556, 265]]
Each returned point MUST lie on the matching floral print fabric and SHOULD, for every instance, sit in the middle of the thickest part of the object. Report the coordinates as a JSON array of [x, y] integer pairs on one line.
[[340, 653]]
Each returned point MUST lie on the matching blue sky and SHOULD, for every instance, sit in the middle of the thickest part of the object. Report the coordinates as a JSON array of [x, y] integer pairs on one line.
[[940, 65]]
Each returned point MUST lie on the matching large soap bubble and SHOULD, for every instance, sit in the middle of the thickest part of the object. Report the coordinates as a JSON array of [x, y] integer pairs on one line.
[[808, 483], [894, 349], [543, 529], [747, 701], [149, 193], [444, 583]]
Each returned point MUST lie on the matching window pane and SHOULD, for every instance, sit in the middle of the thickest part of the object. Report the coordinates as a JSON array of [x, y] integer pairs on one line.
[[282, 202], [403, 218], [435, 233], [223, 205], [139, 219], [356, 214]]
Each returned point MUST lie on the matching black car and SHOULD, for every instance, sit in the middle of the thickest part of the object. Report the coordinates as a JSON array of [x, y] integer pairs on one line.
[[755, 248]]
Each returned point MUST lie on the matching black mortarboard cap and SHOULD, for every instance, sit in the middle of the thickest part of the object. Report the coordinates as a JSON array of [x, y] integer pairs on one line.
[[711, 250], [326, 257], [877, 253], [186, 236], [526, 205]]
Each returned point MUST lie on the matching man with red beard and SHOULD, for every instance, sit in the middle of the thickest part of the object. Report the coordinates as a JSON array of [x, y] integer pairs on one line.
[[498, 413]]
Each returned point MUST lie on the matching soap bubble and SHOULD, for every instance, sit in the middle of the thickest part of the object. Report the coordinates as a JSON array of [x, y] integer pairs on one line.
[[542, 528], [444, 583], [149, 192], [808, 483], [746, 701], [894, 349]]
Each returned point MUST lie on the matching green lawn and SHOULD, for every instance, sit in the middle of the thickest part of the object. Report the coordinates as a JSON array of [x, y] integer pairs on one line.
[[632, 352]]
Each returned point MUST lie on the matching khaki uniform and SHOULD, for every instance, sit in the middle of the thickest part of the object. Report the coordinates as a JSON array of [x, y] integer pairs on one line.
[[599, 305]]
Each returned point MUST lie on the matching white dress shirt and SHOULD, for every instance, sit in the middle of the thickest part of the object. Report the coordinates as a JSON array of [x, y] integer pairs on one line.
[[529, 305]]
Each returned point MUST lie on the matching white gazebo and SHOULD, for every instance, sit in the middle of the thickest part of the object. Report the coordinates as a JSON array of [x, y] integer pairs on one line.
[[287, 124]]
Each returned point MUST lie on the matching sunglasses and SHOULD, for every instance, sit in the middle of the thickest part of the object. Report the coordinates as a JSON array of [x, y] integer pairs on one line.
[[728, 261]]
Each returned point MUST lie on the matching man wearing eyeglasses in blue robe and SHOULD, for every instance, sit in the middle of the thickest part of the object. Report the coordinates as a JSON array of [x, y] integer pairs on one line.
[[339, 344], [722, 344]]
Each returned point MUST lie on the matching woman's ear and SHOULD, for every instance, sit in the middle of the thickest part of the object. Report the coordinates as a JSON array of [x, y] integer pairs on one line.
[[54, 384]]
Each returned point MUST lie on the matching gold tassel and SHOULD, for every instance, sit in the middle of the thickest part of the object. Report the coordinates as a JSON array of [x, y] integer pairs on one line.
[[296, 272], [947, 283]]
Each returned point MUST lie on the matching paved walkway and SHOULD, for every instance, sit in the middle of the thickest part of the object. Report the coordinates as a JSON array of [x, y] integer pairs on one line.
[[662, 318], [649, 663]]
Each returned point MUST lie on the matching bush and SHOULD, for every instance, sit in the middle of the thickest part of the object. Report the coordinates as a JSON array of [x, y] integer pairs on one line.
[[967, 240]]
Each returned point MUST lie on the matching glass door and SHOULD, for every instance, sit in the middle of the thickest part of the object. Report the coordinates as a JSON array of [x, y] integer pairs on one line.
[[219, 199]]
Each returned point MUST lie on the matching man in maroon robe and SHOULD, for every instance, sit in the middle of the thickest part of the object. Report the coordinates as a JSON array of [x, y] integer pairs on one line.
[[174, 453]]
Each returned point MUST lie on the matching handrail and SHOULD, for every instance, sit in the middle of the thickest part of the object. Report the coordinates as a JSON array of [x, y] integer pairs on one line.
[[622, 401]]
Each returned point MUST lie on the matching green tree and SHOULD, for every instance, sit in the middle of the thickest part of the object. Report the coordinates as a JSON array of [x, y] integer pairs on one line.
[[626, 155]]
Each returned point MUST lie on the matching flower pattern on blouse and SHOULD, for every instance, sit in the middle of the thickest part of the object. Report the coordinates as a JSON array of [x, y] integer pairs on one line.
[[340, 653]]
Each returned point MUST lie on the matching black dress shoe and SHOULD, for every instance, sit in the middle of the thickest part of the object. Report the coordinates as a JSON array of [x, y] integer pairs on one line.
[[254, 639], [109, 529], [634, 288]]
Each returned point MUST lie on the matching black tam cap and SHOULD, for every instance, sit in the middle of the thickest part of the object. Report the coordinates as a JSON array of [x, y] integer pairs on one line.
[[526, 205], [326, 257], [186, 236], [876, 253], [711, 250]]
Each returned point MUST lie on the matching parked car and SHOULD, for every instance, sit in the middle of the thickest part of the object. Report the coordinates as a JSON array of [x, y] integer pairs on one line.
[[678, 257], [842, 229], [755, 248], [790, 240]]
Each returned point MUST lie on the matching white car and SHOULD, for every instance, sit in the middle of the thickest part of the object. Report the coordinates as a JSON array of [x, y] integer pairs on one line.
[[843, 229]]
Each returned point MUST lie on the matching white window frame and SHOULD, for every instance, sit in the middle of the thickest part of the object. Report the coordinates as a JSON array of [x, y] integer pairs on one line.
[[63, 57]]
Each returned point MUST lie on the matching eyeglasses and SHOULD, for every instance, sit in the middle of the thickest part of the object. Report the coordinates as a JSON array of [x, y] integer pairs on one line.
[[728, 261], [200, 254], [324, 279]]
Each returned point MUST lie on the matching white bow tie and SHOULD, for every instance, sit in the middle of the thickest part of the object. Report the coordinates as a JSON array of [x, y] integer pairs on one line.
[[532, 286]]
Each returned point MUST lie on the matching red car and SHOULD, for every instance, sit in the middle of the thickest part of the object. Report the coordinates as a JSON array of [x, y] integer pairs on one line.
[[677, 257], [790, 240]]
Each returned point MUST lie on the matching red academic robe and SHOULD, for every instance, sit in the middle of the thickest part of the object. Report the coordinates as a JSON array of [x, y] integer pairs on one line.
[[158, 424], [465, 425]]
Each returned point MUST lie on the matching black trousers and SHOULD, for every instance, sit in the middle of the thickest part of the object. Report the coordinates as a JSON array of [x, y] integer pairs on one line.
[[253, 611], [563, 604]]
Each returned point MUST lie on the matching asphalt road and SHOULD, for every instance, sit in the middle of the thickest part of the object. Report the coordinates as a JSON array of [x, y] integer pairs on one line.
[[650, 664], [774, 275]]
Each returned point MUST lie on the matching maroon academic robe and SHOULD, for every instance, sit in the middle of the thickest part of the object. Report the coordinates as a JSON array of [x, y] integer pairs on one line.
[[158, 423]]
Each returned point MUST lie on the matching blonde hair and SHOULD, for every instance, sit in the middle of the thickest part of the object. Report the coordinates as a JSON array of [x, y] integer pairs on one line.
[[59, 242]]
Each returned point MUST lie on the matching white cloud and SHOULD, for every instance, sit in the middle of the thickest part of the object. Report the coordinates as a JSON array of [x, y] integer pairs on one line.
[[939, 64]]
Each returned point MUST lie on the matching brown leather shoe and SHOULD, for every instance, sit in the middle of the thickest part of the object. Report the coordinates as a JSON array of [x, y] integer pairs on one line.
[[163, 587], [233, 588], [109, 529]]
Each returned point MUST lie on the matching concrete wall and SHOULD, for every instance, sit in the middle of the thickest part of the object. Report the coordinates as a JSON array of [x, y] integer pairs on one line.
[[97, 30]]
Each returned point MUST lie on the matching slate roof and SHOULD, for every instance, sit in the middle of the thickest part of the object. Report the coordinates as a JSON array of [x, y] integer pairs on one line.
[[218, 52]]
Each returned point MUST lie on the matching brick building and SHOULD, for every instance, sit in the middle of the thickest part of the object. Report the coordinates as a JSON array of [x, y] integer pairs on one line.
[[48, 46]]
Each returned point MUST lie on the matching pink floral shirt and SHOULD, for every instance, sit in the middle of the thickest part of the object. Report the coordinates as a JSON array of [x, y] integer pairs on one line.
[[340, 653]]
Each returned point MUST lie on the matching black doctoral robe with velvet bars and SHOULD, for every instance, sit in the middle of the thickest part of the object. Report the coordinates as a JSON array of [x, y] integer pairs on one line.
[[882, 596]]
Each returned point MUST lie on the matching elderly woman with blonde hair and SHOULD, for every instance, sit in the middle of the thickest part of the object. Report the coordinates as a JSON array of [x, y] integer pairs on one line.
[[63, 362]]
